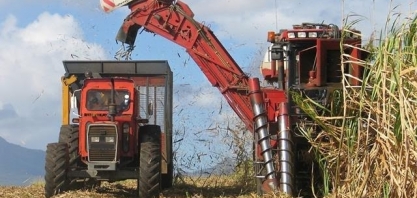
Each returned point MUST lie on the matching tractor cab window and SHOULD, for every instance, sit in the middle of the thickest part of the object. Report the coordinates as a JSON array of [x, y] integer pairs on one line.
[[99, 99]]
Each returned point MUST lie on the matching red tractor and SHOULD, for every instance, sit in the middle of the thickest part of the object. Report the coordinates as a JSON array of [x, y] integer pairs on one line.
[[121, 127], [304, 59]]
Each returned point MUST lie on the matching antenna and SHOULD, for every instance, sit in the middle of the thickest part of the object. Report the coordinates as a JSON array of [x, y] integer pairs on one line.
[[276, 16]]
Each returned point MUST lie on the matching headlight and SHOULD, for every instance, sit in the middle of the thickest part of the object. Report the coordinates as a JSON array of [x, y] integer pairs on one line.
[[109, 139], [95, 139], [301, 35], [312, 34]]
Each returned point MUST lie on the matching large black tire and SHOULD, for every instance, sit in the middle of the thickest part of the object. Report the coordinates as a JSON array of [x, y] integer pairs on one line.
[[56, 163], [69, 134], [149, 180]]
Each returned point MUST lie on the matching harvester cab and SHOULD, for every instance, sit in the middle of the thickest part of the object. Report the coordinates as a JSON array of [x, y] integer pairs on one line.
[[121, 126], [310, 55]]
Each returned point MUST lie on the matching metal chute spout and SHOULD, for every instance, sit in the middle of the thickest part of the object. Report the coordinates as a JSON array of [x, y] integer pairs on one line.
[[128, 33]]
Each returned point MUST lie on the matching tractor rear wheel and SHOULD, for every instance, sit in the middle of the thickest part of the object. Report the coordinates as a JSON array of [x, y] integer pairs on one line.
[[56, 163], [149, 180]]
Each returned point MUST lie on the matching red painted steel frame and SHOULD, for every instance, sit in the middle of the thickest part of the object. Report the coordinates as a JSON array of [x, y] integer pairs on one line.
[[323, 45], [95, 117], [175, 22]]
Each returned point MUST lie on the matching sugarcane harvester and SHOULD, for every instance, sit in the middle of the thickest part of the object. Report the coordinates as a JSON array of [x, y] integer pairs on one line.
[[306, 58], [116, 125]]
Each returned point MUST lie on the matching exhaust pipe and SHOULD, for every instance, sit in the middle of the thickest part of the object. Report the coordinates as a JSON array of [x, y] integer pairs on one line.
[[112, 106], [262, 131]]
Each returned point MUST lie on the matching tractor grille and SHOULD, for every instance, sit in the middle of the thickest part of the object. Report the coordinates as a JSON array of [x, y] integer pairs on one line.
[[101, 155], [102, 150]]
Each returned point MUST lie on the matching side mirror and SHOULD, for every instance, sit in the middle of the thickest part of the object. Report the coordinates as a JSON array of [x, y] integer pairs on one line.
[[277, 52], [74, 102], [150, 109]]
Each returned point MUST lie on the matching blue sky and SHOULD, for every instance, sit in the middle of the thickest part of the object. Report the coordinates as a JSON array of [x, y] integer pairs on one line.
[[35, 36]]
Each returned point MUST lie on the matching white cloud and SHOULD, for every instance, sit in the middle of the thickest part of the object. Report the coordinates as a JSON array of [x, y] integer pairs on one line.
[[40, 33], [31, 64], [199, 96]]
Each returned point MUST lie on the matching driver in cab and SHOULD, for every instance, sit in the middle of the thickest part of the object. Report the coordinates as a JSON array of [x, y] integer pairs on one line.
[[98, 102]]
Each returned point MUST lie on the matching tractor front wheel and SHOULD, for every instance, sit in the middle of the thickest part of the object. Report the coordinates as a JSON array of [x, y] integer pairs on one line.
[[69, 134], [149, 181], [56, 163]]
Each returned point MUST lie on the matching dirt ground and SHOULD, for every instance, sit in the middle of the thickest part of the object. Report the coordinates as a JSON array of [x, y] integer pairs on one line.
[[128, 189]]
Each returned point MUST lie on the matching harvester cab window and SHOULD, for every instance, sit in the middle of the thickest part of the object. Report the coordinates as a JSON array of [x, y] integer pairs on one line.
[[99, 100]]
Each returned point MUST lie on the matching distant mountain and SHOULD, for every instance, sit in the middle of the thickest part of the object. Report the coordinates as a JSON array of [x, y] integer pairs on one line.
[[18, 165]]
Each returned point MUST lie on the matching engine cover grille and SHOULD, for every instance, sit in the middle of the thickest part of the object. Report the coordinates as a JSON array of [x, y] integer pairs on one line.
[[101, 155], [102, 150]]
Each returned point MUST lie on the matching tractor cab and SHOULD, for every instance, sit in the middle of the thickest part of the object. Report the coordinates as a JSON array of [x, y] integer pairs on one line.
[[99, 99], [107, 114], [107, 95]]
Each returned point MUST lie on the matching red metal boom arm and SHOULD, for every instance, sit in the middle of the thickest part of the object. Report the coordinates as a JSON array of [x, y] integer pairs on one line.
[[175, 22]]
